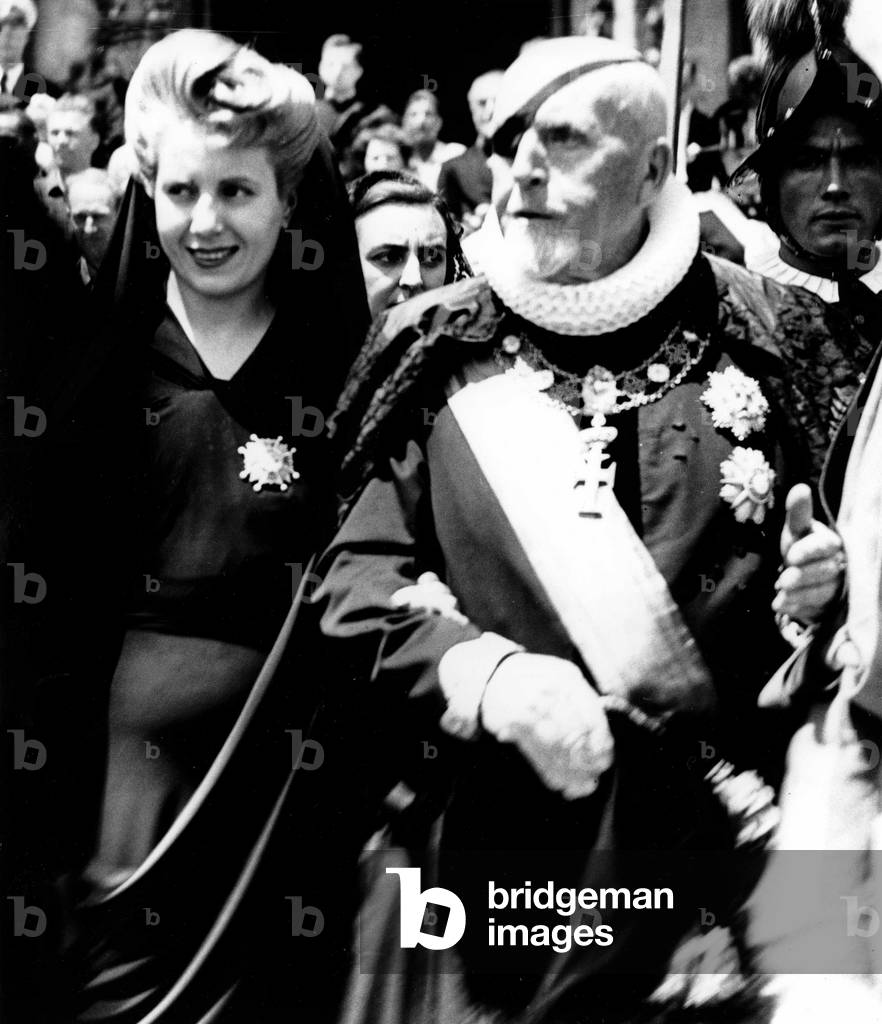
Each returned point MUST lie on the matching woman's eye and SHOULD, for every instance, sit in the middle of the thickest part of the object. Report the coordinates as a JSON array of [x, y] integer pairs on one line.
[[234, 190], [433, 257], [385, 257]]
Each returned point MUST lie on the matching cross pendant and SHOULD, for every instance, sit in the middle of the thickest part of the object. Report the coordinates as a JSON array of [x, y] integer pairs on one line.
[[594, 475]]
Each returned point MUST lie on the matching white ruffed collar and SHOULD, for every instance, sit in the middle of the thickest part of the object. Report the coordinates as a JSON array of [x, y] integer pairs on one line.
[[616, 301], [770, 265]]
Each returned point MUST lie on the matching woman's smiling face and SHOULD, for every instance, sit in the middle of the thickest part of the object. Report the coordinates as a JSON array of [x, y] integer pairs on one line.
[[218, 211]]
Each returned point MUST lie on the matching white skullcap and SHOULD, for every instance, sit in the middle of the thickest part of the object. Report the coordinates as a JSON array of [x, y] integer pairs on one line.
[[544, 68]]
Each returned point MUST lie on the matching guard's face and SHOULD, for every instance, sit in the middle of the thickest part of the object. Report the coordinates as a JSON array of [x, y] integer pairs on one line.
[[403, 250], [73, 140], [568, 199], [218, 211], [93, 209], [830, 190]]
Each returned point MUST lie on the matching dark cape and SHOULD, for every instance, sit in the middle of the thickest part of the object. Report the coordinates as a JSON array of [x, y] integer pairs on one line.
[[415, 499], [211, 926]]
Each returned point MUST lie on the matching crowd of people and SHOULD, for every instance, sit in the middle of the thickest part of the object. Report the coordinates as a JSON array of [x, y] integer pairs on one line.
[[381, 508]]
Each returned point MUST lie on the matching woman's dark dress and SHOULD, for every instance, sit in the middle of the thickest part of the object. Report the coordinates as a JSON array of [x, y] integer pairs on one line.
[[212, 573]]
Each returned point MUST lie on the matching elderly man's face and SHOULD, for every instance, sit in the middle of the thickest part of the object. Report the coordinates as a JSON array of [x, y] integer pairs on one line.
[[482, 96], [13, 39], [830, 189], [93, 208], [571, 209], [73, 140]]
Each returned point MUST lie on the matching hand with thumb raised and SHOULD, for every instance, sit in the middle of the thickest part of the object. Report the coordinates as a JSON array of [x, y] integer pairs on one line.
[[814, 562]]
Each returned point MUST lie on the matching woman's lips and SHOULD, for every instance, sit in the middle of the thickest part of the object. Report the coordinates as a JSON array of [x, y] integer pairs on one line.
[[215, 257]]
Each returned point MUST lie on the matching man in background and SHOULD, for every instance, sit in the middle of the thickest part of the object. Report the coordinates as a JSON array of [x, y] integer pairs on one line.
[[338, 107], [466, 182], [93, 203], [699, 162], [72, 131], [422, 126], [17, 20]]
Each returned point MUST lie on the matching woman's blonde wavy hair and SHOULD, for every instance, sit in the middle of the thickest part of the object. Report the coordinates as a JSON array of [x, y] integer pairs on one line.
[[228, 90]]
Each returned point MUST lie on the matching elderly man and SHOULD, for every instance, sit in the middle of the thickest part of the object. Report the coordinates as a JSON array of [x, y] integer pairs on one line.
[[466, 182], [93, 201], [17, 20], [819, 165], [589, 446], [422, 125]]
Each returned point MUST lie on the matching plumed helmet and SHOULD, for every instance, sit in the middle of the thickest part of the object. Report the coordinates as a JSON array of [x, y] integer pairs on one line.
[[811, 69]]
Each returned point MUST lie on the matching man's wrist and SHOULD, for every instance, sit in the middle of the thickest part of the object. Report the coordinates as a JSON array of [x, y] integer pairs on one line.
[[464, 673]]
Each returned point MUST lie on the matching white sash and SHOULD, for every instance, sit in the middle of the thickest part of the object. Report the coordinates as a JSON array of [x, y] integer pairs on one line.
[[601, 580]]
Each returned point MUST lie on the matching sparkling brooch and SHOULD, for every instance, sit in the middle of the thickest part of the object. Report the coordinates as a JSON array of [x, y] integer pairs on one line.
[[736, 402], [748, 480], [268, 462]]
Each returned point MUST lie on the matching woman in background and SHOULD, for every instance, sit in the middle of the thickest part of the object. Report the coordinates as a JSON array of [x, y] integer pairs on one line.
[[407, 240]]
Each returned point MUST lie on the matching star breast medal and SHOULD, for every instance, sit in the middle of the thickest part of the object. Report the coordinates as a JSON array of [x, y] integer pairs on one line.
[[268, 462]]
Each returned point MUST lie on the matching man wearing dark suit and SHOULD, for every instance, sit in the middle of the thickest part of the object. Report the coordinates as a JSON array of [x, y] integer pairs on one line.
[[699, 145], [465, 181], [17, 20]]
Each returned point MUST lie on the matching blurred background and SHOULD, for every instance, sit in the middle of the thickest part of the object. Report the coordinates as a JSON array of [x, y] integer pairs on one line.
[[406, 46]]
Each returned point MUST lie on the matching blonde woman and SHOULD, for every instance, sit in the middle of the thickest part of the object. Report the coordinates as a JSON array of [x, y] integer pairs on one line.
[[228, 316]]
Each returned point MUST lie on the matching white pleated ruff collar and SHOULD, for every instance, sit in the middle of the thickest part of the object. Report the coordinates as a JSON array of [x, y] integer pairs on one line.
[[612, 303], [770, 265]]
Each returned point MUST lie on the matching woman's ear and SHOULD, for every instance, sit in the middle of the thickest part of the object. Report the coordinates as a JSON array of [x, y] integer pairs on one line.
[[290, 196]]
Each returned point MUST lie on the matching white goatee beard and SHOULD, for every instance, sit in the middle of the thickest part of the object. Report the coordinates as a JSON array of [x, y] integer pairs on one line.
[[543, 252]]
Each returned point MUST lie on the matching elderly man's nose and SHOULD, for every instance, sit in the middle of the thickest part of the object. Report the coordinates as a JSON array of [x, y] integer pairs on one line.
[[528, 170]]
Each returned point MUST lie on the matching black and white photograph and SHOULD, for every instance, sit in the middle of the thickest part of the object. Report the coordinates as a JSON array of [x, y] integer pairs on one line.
[[441, 512]]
